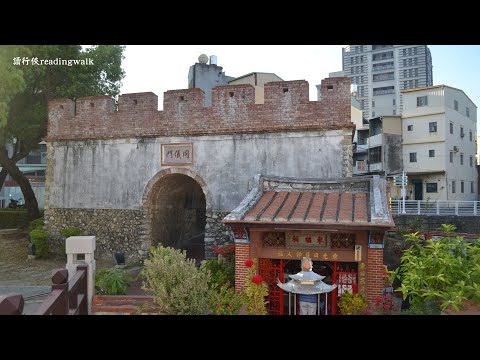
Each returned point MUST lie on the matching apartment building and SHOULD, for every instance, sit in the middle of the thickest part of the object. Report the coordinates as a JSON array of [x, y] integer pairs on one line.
[[382, 71]]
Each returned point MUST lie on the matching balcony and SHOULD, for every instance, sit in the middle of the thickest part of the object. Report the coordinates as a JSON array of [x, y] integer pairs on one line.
[[375, 140], [363, 148]]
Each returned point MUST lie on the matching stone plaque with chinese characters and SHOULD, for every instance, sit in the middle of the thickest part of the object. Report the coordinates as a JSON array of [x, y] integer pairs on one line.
[[177, 154], [307, 239]]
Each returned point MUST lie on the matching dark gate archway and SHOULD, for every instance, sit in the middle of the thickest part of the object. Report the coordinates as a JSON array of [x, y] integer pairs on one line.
[[177, 214]]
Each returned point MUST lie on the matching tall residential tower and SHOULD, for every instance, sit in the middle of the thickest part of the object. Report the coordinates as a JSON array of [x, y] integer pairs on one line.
[[382, 71]]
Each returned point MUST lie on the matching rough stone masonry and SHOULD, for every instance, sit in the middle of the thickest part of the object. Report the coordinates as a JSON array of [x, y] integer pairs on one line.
[[136, 176]]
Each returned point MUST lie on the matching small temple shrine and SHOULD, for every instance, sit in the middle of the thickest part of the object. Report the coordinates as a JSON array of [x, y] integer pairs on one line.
[[340, 224]]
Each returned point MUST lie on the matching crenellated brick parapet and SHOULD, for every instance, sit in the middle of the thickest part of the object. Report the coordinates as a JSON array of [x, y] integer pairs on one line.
[[233, 110]]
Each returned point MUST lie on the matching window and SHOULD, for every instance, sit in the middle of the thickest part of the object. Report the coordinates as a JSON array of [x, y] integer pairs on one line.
[[422, 101], [462, 133], [462, 186], [451, 127], [415, 51], [383, 77], [455, 104], [394, 112], [471, 160], [382, 66], [394, 102], [432, 187], [471, 187], [384, 90], [413, 157], [405, 84], [410, 128], [461, 158], [415, 61], [431, 153], [451, 156], [467, 110], [432, 126], [416, 83], [470, 135], [382, 56], [404, 52], [373, 113], [453, 187], [373, 103], [375, 155]]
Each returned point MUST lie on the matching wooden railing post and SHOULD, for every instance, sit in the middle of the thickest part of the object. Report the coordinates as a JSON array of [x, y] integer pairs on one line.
[[57, 302], [60, 282], [78, 292], [11, 304]]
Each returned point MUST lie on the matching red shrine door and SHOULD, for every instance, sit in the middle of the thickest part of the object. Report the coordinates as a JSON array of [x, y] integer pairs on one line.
[[271, 270]]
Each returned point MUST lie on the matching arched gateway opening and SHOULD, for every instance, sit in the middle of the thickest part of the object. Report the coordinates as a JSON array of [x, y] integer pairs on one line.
[[177, 209]]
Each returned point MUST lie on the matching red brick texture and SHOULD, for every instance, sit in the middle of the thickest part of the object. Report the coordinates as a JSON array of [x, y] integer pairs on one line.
[[375, 274], [233, 110], [242, 253]]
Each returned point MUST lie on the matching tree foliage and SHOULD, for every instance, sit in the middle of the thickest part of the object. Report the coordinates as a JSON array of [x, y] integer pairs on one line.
[[25, 90], [445, 272]]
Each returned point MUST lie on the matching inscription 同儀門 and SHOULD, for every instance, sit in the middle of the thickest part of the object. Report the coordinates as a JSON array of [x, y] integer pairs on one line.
[[177, 154]]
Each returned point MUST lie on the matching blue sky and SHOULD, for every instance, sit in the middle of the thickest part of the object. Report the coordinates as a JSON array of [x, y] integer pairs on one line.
[[458, 66], [159, 68]]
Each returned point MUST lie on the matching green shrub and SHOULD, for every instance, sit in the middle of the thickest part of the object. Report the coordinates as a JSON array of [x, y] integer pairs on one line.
[[36, 224], [221, 274], [352, 304], [13, 218], [427, 308], [113, 281], [178, 286], [445, 272], [73, 231], [39, 238], [226, 301]]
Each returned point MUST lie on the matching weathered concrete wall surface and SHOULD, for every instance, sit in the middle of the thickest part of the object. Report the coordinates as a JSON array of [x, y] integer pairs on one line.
[[113, 174], [393, 148], [466, 224]]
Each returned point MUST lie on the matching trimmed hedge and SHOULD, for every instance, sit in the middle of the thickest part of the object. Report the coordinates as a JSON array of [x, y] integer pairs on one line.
[[13, 218], [39, 238], [36, 224]]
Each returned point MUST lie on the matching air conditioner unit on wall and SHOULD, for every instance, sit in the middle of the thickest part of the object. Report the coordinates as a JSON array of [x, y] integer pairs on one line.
[[455, 148]]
